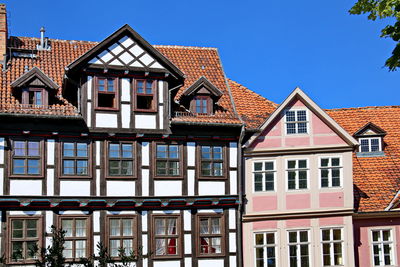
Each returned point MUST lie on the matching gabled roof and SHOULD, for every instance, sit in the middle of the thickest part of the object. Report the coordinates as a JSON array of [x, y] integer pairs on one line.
[[202, 83], [299, 94], [124, 31], [376, 131], [31, 75]]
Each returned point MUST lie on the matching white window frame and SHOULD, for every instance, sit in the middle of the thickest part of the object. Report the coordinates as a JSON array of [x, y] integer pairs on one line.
[[391, 242], [263, 172], [340, 167], [298, 244], [297, 176], [331, 247], [296, 122], [265, 246], [369, 144]]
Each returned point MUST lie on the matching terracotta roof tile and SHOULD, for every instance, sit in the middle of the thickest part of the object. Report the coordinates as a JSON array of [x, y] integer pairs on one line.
[[193, 61]]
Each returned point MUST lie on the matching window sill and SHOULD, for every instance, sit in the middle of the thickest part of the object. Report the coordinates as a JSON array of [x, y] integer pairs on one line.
[[25, 176], [146, 110], [106, 109], [121, 177], [87, 177], [370, 154], [212, 178], [168, 177]]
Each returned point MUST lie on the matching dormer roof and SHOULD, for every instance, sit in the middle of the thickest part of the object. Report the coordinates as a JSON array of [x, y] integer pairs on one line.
[[34, 77], [202, 85], [370, 129]]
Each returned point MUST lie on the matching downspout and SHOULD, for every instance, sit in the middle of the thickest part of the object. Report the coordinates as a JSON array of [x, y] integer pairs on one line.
[[241, 200]]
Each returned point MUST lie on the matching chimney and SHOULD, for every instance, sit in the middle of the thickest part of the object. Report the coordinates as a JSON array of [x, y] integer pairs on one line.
[[3, 32]]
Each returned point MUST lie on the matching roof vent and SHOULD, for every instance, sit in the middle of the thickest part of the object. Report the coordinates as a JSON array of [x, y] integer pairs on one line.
[[44, 41]]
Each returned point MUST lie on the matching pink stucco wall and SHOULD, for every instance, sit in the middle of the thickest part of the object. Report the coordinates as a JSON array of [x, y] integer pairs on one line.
[[264, 203], [298, 223], [362, 232], [297, 141], [328, 140], [329, 221], [263, 225], [298, 201], [319, 127], [331, 199]]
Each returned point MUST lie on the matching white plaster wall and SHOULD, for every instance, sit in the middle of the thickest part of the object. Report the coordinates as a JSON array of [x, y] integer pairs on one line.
[[96, 240], [191, 153], [98, 151], [125, 115], [211, 188], [145, 122], [232, 261], [144, 221], [89, 87], [233, 154], [145, 182], [89, 114], [50, 151], [187, 220], [50, 182], [144, 244], [26, 187], [126, 90], [120, 188], [209, 263], [161, 117], [232, 242], [75, 188], [96, 221], [232, 219], [160, 92], [168, 188], [2, 150], [49, 221], [1, 181], [188, 244], [167, 263], [106, 120], [188, 262], [191, 181], [97, 182], [145, 262], [233, 182], [145, 153]]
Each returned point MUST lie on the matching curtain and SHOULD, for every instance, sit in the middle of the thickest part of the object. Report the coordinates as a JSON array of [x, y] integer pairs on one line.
[[171, 241]]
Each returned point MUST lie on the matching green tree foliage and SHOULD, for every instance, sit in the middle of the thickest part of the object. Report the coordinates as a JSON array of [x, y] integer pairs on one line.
[[52, 256], [381, 9]]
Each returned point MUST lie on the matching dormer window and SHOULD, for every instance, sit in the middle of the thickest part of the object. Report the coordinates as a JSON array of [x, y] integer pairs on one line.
[[370, 138], [34, 89], [145, 95], [201, 97], [107, 92], [202, 104], [296, 121], [371, 144]]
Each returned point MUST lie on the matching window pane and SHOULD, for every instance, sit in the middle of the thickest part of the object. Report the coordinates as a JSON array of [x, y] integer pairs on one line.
[[127, 168], [113, 151], [326, 235], [290, 116], [67, 226], [162, 151], [80, 228], [67, 249], [173, 152], [149, 87], [139, 87], [18, 166], [364, 145], [69, 167], [82, 149], [82, 167], [290, 128], [115, 227], [302, 163], [206, 152], [127, 227], [386, 235], [161, 167], [174, 168], [19, 148], [375, 144], [301, 115], [302, 127], [114, 246], [259, 239], [270, 238], [215, 226], [292, 237], [337, 234], [303, 236], [127, 150], [80, 250], [68, 150], [33, 148], [33, 166], [100, 84], [17, 228], [110, 85], [258, 166], [375, 235], [269, 165], [324, 162], [291, 164], [217, 151], [206, 169]]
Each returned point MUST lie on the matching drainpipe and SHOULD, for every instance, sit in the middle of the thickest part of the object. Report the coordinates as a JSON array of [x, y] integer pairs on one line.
[[241, 206]]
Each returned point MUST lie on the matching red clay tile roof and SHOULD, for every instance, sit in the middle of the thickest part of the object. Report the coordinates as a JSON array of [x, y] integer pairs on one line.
[[193, 61], [252, 107], [376, 179]]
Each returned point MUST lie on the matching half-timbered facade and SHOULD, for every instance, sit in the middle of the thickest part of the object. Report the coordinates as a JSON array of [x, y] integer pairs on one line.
[[119, 142]]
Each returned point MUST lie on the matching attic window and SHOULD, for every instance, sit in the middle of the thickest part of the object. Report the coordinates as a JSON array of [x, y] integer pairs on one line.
[[106, 89], [202, 104], [145, 95], [34, 97], [370, 144], [296, 121]]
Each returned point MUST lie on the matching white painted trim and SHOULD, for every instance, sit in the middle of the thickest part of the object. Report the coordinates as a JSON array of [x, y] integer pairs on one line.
[[89, 114], [274, 171], [369, 143], [89, 87], [145, 183], [145, 153], [295, 109], [126, 115], [2, 150], [320, 168], [50, 151], [297, 177], [50, 182]]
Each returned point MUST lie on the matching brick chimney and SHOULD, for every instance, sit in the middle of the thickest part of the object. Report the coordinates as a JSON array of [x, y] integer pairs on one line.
[[3, 32]]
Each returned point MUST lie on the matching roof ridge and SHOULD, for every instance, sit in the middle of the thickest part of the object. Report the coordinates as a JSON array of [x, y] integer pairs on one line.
[[187, 47], [258, 95], [57, 40], [362, 108]]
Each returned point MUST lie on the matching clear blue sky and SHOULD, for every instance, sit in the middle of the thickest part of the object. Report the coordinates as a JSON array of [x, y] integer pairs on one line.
[[269, 46]]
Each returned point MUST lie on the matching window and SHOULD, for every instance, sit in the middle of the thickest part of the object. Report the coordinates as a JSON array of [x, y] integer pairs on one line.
[[106, 90], [265, 248], [382, 247], [299, 248], [24, 235], [26, 158], [201, 104], [210, 235], [145, 95], [167, 236], [296, 122], [76, 237], [332, 247], [121, 159], [34, 97], [297, 174], [372, 144], [75, 159], [168, 160], [212, 159], [330, 172], [264, 176], [122, 233]]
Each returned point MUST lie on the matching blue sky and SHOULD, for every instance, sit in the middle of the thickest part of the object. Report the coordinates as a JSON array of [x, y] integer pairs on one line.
[[269, 46]]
